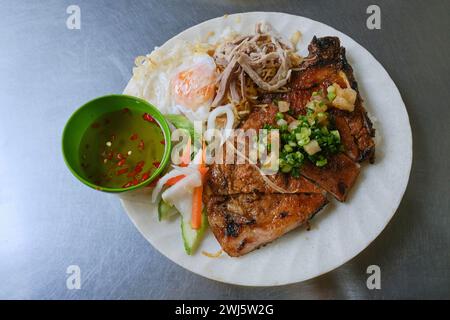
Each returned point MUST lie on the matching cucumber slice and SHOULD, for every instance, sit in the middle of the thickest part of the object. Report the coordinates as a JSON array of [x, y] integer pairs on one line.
[[181, 122], [165, 211], [192, 237]]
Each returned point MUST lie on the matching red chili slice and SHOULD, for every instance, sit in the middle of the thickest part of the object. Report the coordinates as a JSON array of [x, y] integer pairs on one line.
[[125, 110], [141, 145], [140, 164], [137, 169], [145, 176], [156, 164], [121, 162], [127, 185], [135, 182], [148, 117], [163, 142], [122, 171], [134, 136], [120, 156]]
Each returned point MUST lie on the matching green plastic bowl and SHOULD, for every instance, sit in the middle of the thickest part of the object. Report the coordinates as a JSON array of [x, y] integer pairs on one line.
[[92, 110]]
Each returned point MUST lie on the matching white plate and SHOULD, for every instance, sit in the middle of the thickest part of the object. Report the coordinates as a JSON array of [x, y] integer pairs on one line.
[[339, 232]]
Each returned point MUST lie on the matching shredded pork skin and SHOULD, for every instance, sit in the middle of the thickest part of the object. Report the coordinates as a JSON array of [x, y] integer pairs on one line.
[[264, 57]]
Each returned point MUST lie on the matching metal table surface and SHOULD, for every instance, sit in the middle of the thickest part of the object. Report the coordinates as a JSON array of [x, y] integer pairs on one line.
[[48, 220]]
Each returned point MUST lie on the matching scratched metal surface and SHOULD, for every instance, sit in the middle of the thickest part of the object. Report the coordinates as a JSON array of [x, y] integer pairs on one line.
[[48, 220]]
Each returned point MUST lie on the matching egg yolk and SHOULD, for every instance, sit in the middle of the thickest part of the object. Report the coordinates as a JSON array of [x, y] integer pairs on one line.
[[195, 86]]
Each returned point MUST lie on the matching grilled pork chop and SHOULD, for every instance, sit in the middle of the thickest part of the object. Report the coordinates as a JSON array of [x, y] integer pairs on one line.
[[244, 211], [327, 64], [244, 222]]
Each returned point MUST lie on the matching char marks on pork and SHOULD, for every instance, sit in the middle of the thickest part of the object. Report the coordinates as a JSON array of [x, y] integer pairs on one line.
[[244, 222]]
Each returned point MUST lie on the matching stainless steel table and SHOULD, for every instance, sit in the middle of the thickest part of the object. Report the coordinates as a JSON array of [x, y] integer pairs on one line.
[[48, 220]]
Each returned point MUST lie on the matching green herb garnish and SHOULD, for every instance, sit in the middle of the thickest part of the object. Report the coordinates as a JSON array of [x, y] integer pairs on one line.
[[313, 138]]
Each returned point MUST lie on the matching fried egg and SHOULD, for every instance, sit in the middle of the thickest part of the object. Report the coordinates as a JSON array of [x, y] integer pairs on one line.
[[193, 86], [181, 80]]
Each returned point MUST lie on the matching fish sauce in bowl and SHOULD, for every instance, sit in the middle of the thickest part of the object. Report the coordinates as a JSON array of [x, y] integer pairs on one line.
[[121, 149]]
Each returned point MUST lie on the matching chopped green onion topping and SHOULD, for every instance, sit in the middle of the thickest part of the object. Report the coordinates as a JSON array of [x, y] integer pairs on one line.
[[336, 134], [331, 95], [312, 137], [322, 162]]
